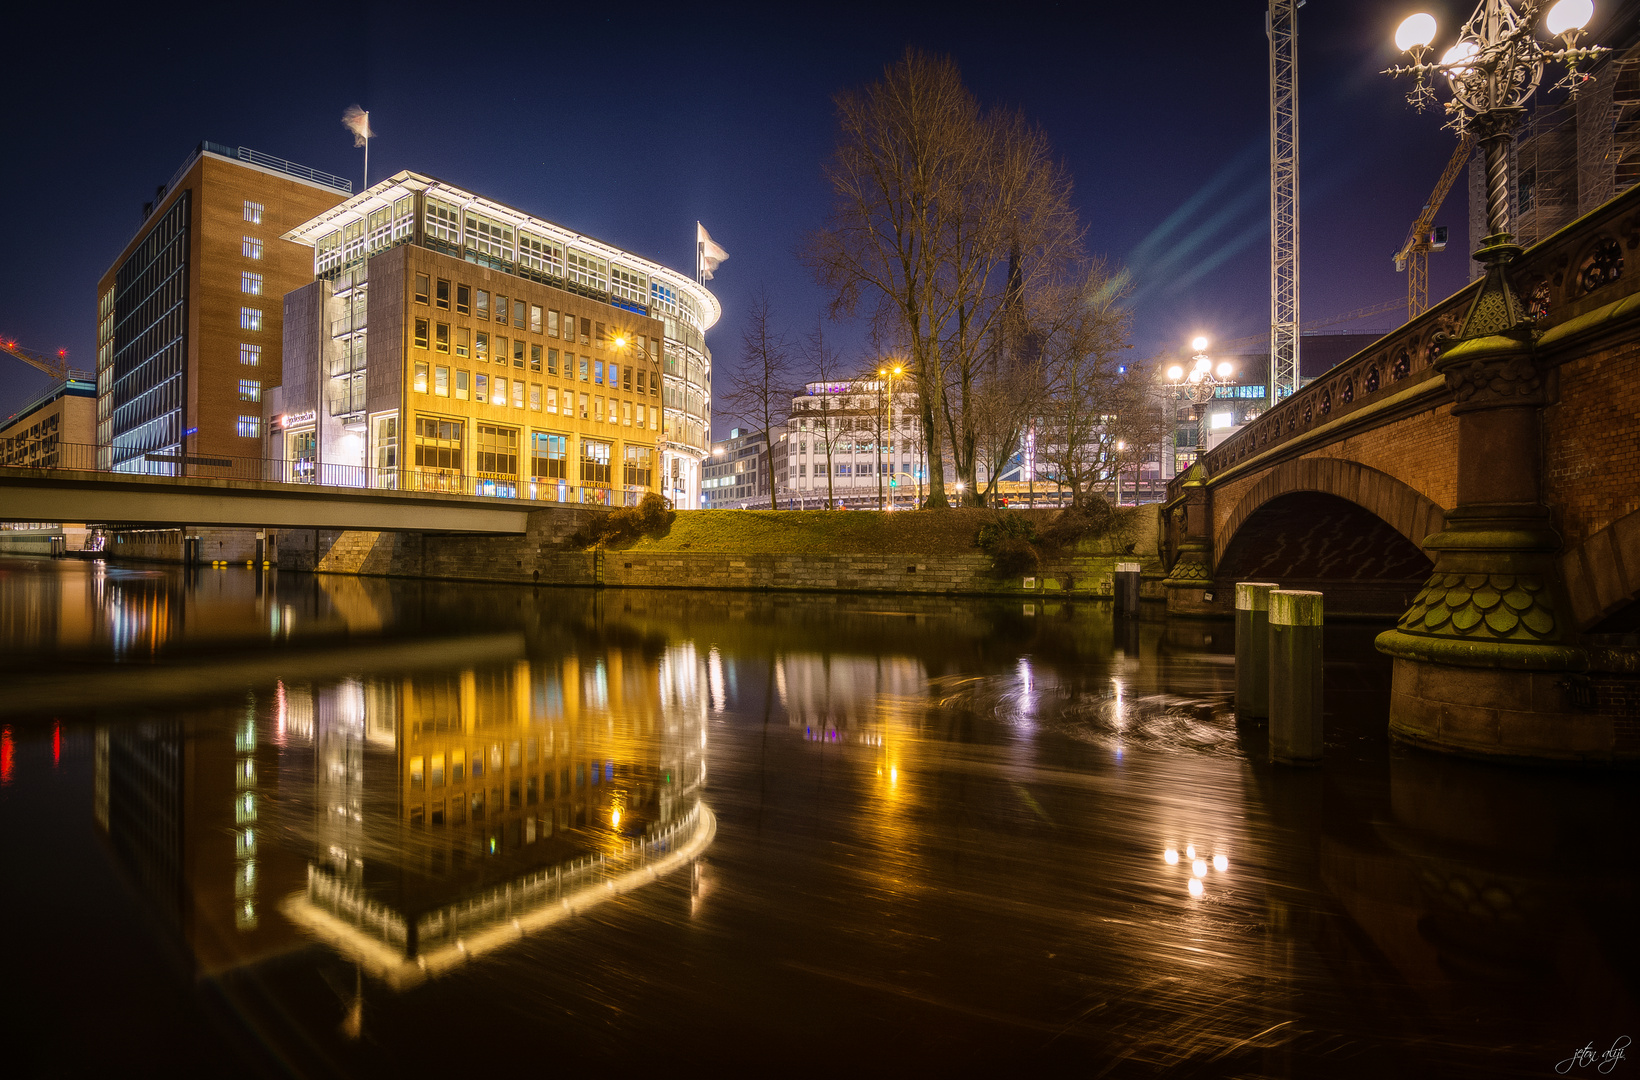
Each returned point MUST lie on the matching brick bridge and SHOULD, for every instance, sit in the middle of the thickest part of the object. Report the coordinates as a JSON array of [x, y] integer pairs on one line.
[[1476, 475]]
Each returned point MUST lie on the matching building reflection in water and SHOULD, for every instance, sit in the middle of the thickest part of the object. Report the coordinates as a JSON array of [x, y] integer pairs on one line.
[[454, 811], [410, 821]]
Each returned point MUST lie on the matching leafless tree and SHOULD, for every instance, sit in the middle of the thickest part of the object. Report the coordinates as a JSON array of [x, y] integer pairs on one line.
[[1093, 402], [827, 413], [759, 392], [939, 210]]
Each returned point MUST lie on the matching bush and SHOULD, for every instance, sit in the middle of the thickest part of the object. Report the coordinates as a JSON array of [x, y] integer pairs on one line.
[[652, 516], [1092, 518], [1015, 557], [1005, 527], [1010, 539]]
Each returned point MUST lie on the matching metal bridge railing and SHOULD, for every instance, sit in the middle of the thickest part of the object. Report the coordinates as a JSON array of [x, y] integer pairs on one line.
[[85, 457]]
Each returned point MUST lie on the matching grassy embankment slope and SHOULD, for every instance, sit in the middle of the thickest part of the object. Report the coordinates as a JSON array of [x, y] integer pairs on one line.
[[856, 532]]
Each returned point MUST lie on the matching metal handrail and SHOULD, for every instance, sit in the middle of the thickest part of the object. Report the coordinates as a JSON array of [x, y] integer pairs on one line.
[[85, 457]]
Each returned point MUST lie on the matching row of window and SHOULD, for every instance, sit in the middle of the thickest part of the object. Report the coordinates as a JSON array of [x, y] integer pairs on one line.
[[541, 359], [439, 445], [463, 385], [523, 315]]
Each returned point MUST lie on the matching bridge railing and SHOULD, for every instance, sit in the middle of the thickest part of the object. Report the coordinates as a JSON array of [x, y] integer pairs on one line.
[[84, 457], [1568, 274]]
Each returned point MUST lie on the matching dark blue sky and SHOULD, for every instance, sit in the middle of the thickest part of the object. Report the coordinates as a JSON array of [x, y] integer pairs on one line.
[[630, 122]]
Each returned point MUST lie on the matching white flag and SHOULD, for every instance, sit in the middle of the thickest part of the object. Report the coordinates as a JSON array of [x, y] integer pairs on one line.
[[710, 253], [357, 121]]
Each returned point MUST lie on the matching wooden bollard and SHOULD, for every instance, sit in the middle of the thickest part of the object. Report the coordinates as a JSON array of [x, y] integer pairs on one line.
[[1127, 588], [1253, 647], [1295, 677]]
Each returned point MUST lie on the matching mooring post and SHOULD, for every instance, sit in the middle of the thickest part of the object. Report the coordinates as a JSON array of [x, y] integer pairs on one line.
[[1253, 647], [1295, 677], [1127, 588]]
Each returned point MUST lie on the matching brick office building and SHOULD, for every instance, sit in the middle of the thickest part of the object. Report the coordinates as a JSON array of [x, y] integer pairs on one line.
[[448, 342], [188, 314]]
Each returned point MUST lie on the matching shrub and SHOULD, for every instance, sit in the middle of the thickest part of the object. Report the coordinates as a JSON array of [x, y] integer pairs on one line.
[[1092, 518], [1015, 557], [653, 516]]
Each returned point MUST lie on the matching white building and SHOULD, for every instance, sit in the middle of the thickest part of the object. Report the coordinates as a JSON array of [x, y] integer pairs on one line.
[[875, 443]]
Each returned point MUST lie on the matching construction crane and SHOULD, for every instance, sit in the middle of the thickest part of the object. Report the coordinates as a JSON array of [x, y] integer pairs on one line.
[[1413, 258], [53, 364], [1282, 28]]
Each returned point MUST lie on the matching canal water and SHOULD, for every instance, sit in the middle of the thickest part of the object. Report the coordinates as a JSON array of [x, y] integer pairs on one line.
[[271, 824]]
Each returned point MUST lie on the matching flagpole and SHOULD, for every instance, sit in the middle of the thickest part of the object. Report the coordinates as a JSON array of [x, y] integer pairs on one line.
[[700, 256]]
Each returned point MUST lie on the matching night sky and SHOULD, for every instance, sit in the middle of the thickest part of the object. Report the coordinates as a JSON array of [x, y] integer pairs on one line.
[[629, 123]]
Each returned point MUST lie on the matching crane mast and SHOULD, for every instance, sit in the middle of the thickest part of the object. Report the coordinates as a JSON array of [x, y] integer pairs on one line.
[[1283, 33]]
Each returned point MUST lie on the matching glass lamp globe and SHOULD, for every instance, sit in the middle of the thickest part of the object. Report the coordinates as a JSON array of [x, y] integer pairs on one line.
[[1223, 370], [1196, 376], [1415, 32], [1203, 364], [1198, 343], [1175, 373], [1455, 56], [1569, 15]]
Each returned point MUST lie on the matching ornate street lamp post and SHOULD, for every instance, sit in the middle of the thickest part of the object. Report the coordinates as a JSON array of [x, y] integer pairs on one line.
[[1197, 383], [1489, 631]]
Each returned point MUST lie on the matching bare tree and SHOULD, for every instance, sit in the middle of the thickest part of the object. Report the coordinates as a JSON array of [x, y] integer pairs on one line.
[[939, 209], [1092, 398], [759, 392]]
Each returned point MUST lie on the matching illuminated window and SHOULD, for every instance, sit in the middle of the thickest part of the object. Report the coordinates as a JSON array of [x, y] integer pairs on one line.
[[484, 303], [481, 346], [250, 355], [464, 296], [481, 389], [497, 450], [421, 377], [518, 394], [461, 340], [250, 427], [423, 285], [498, 395], [549, 456], [636, 467], [535, 358], [461, 385], [250, 318], [552, 399], [535, 318], [250, 247], [441, 338], [441, 382], [584, 412], [518, 352], [552, 324], [501, 309], [253, 212], [535, 396], [250, 390], [250, 284], [552, 361], [421, 334]]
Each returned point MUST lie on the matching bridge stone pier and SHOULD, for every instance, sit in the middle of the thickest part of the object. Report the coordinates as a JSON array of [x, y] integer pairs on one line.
[[1476, 476]]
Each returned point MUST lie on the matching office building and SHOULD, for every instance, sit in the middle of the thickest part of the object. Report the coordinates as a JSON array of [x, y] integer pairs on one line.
[[445, 341], [736, 476], [859, 432], [54, 430], [188, 316]]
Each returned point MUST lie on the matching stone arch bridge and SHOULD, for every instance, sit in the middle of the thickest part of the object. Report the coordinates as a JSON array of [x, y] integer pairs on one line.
[[1474, 475]]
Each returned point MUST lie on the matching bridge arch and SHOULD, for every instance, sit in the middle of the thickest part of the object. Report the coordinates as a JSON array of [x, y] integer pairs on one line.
[[1603, 576], [1401, 507]]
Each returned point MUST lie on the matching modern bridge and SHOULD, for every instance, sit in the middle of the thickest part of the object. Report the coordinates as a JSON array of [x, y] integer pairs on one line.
[[1476, 474]]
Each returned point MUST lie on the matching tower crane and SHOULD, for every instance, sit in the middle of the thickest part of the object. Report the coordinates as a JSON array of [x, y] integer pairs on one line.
[[1414, 254], [53, 364], [1282, 27]]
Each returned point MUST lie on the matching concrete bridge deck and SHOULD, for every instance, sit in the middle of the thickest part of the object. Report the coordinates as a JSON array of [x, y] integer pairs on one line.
[[105, 498]]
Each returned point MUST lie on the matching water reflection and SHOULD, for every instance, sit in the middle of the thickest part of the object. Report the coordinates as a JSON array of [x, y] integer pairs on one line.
[[411, 822], [978, 837]]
